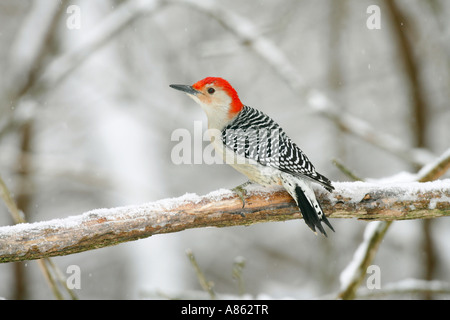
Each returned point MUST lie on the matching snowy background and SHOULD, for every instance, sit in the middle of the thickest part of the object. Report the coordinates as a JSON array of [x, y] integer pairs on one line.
[[86, 117]]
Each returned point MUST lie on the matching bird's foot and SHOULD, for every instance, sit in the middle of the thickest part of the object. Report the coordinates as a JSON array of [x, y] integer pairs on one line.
[[241, 192]]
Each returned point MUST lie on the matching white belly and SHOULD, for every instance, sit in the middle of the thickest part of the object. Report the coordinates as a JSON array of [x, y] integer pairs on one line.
[[253, 170]]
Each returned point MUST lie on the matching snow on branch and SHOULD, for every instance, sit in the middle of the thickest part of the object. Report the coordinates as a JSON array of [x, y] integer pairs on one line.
[[107, 29], [354, 273], [222, 208]]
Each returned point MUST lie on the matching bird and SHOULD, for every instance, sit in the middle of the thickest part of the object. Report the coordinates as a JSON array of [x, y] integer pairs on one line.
[[256, 146]]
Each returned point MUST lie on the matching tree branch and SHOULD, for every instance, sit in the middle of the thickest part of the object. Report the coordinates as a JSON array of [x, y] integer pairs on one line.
[[353, 275], [222, 208], [107, 29]]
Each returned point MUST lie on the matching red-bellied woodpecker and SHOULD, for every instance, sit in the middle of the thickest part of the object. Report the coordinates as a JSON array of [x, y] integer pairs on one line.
[[258, 147]]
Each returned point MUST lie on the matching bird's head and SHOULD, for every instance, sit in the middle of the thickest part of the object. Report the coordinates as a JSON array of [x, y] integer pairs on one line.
[[216, 96]]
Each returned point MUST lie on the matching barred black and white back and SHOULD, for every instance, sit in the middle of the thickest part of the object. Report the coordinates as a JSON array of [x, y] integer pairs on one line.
[[254, 136]]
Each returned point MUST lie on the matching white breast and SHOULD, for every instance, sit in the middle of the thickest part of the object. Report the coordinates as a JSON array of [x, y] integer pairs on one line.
[[253, 170]]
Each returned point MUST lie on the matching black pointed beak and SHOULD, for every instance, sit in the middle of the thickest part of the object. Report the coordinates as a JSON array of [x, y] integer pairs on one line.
[[185, 88]]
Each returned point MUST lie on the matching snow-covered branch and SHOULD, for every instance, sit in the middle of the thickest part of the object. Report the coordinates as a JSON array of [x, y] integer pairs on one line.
[[354, 273], [47, 77], [109, 27], [365, 131], [222, 208]]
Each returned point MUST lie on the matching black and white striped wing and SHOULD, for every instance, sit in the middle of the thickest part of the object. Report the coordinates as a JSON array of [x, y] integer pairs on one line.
[[254, 135]]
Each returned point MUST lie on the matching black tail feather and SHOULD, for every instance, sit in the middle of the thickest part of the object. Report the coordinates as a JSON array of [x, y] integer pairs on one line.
[[309, 213]]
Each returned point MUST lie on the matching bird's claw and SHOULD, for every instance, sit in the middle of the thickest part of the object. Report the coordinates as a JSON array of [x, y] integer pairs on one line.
[[241, 192]]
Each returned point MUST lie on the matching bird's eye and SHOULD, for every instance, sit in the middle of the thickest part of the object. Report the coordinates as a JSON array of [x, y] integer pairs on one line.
[[211, 90]]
